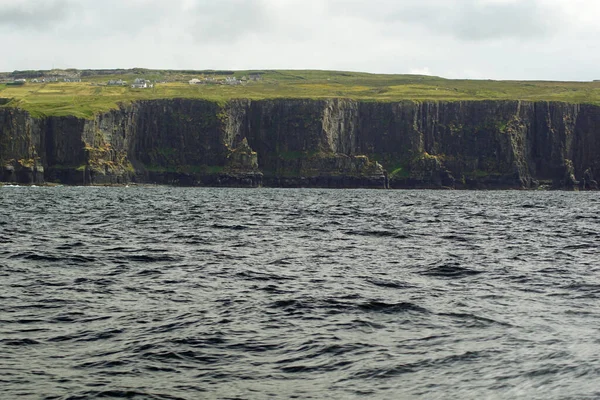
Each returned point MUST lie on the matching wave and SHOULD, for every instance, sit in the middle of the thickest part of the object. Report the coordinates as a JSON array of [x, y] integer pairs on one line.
[[450, 270]]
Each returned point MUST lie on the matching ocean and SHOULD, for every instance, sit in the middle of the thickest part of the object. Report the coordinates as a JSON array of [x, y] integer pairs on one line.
[[212, 293]]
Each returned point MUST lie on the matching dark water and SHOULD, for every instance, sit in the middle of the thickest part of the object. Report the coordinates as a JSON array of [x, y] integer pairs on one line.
[[166, 293]]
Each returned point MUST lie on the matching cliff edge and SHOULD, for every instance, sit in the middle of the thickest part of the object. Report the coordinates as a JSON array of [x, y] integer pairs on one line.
[[310, 143]]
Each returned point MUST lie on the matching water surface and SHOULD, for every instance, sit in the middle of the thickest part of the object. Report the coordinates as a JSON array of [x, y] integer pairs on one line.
[[175, 293]]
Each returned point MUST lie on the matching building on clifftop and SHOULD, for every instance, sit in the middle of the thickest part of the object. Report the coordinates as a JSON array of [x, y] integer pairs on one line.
[[141, 84]]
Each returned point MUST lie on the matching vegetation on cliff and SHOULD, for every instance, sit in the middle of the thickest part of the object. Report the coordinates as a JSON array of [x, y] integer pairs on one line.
[[92, 96], [310, 143]]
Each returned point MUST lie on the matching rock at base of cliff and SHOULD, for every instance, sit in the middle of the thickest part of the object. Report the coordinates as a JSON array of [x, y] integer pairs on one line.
[[328, 170], [588, 182], [25, 172], [333, 182], [223, 179], [424, 172]]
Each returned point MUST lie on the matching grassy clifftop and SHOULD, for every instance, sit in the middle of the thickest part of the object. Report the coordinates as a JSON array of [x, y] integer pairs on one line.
[[92, 96]]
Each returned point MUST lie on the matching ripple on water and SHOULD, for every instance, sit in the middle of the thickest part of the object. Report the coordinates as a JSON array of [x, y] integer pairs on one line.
[[174, 293]]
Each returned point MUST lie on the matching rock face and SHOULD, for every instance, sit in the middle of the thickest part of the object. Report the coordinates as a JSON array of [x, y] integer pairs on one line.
[[310, 143]]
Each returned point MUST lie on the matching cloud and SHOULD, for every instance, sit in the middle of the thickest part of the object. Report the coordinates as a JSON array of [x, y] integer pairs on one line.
[[468, 20], [34, 14], [496, 39], [482, 21], [227, 20], [420, 71]]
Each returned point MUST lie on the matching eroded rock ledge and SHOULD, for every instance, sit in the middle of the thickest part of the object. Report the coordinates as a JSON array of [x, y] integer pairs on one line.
[[310, 143]]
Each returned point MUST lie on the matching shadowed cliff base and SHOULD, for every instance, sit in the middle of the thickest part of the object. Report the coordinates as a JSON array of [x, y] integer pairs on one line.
[[338, 143]]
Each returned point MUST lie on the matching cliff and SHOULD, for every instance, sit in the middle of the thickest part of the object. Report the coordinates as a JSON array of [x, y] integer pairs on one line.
[[310, 143]]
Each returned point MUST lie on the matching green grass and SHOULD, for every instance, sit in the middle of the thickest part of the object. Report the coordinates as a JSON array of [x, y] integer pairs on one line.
[[399, 173], [85, 99], [296, 155]]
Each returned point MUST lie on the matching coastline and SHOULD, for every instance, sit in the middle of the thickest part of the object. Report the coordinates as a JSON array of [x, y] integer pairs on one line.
[[334, 143]]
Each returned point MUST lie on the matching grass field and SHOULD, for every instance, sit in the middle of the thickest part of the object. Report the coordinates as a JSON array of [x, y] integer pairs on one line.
[[89, 97]]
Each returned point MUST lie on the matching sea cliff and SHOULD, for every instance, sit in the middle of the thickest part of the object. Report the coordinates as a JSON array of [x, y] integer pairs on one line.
[[310, 143]]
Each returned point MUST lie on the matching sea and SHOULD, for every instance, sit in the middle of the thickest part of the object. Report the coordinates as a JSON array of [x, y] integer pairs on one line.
[[212, 293]]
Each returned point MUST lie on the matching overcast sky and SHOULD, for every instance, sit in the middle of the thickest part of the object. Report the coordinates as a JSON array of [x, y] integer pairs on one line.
[[488, 39]]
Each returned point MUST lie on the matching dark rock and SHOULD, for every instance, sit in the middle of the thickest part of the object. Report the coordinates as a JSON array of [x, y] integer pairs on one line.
[[588, 182], [310, 143]]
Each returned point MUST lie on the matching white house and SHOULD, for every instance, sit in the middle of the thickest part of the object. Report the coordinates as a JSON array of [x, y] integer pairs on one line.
[[141, 84], [195, 81], [232, 80]]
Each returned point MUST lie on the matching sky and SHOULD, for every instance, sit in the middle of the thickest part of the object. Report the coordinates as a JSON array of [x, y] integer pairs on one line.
[[475, 39]]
